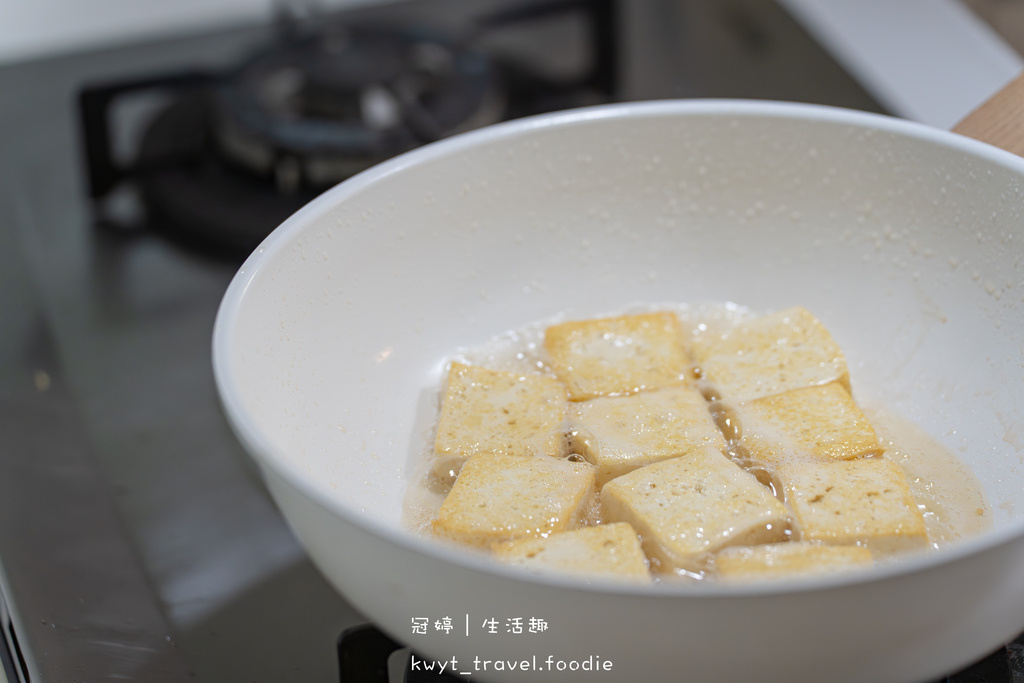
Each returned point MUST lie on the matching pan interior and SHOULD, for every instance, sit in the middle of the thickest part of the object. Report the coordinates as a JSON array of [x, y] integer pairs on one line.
[[904, 241]]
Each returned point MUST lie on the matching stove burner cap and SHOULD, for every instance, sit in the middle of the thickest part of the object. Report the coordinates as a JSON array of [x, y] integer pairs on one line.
[[316, 110]]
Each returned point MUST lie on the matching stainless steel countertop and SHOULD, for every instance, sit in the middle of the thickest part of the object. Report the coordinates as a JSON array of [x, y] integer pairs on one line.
[[136, 540]]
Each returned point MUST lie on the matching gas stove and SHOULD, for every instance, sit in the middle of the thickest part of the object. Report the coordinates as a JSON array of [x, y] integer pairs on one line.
[[136, 539], [233, 152]]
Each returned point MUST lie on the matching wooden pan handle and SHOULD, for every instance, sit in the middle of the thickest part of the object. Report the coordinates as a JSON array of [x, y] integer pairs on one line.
[[1000, 120]]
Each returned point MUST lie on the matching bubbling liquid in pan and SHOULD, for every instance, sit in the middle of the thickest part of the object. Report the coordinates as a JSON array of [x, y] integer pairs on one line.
[[947, 493]]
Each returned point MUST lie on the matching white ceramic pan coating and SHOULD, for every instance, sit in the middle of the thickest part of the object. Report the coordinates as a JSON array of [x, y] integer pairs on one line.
[[906, 241]]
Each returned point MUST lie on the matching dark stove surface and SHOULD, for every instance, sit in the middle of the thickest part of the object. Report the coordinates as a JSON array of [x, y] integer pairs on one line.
[[136, 540]]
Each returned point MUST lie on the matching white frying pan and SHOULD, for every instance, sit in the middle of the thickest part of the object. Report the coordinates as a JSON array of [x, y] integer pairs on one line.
[[907, 241]]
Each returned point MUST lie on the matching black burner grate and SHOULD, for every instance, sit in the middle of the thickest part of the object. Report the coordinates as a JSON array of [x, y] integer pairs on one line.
[[236, 153]]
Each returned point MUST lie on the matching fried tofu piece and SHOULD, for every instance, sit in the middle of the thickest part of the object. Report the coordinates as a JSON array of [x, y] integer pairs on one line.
[[689, 507], [787, 350], [865, 502], [618, 356], [621, 433], [820, 421], [609, 551], [487, 411], [500, 497], [780, 560]]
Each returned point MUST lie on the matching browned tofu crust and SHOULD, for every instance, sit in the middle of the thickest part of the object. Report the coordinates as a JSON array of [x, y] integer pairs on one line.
[[818, 422], [688, 507], [618, 356], [621, 433], [609, 551], [500, 497], [864, 501], [790, 349], [487, 411]]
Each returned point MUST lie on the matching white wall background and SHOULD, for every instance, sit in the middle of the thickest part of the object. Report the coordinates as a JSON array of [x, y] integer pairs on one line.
[[34, 28], [932, 61]]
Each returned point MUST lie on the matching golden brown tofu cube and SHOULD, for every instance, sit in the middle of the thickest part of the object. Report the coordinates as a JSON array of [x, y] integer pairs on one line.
[[787, 350], [487, 411], [688, 507], [865, 502], [618, 356], [821, 421], [610, 551], [781, 560], [621, 433], [499, 497]]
